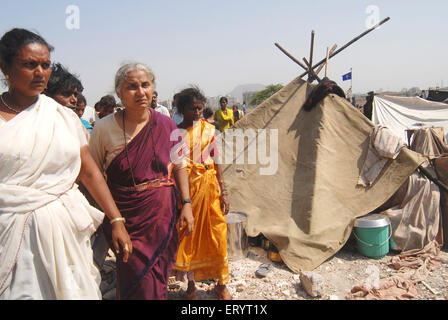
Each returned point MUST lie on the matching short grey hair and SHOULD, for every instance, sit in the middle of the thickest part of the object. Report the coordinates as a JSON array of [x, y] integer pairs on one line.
[[124, 70]]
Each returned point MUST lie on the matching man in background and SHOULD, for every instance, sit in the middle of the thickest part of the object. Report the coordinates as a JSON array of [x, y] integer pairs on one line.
[[106, 105], [158, 107], [177, 117]]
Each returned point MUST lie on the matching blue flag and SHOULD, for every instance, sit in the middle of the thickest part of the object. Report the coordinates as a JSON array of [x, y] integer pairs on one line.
[[347, 76]]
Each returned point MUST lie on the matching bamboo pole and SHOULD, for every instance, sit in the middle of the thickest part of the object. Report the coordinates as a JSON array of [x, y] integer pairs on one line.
[[291, 57], [348, 44], [324, 64], [310, 76], [297, 61], [313, 74]]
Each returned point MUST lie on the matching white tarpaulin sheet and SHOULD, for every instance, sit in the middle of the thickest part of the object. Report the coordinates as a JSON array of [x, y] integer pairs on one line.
[[401, 113]]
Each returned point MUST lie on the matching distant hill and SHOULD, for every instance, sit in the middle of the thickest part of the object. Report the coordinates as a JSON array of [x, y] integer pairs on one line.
[[239, 90]]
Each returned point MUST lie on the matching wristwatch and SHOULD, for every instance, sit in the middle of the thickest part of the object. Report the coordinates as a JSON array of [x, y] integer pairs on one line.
[[184, 201]]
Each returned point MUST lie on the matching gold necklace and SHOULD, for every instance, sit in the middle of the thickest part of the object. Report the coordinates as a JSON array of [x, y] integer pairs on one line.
[[6, 105]]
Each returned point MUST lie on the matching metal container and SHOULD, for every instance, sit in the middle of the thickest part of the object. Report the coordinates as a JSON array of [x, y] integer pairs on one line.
[[237, 241], [372, 221], [373, 233]]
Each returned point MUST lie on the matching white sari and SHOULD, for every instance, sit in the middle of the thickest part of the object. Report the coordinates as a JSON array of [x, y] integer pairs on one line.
[[45, 222]]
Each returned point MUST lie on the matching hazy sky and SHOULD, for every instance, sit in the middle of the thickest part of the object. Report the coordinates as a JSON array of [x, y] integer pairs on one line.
[[218, 45]]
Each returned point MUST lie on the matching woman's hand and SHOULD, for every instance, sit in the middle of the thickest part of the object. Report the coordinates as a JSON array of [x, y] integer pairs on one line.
[[120, 238], [186, 216], [224, 204], [92, 178]]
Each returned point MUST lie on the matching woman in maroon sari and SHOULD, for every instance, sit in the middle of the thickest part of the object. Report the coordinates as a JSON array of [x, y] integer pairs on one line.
[[134, 149]]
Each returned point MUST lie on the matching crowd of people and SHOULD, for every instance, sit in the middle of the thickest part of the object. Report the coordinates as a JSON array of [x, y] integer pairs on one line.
[[72, 174]]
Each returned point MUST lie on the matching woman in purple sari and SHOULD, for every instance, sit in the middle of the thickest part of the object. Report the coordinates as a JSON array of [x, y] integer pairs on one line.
[[134, 149]]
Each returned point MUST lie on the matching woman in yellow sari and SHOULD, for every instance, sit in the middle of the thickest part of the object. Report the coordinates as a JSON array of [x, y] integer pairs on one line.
[[203, 254], [224, 115]]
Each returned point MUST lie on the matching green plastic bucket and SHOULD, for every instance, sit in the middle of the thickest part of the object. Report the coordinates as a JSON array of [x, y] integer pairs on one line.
[[372, 233]]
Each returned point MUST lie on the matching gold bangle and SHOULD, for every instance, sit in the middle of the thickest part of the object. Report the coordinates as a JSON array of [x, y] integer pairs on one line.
[[118, 219]]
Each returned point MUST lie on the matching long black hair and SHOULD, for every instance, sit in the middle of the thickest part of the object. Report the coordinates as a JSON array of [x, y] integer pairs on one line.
[[13, 40], [60, 80]]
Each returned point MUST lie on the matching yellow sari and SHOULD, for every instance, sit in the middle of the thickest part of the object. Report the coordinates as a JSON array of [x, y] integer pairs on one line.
[[225, 121], [205, 250]]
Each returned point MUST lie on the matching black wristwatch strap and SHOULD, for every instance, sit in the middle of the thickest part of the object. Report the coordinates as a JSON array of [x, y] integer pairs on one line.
[[184, 201]]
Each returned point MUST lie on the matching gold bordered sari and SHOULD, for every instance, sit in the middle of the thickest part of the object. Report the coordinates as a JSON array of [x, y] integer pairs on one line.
[[205, 250]]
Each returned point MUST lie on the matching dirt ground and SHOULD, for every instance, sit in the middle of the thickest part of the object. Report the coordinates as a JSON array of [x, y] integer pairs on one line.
[[340, 274]]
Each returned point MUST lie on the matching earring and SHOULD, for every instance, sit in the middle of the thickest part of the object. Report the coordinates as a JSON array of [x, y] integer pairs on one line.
[[7, 77]]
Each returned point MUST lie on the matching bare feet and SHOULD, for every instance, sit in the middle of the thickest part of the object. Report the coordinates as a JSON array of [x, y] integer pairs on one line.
[[190, 294], [223, 292]]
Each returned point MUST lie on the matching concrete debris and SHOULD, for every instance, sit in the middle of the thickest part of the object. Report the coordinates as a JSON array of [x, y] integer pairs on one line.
[[312, 283], [333, 280]]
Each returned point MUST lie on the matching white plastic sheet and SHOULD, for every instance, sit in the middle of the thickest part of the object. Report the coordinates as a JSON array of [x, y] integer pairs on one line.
[[402, 113]]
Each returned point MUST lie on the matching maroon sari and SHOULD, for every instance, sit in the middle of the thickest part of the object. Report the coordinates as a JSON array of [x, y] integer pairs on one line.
[[150, 210]]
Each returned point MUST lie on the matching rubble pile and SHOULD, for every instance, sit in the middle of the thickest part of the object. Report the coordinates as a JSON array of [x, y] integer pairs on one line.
[[333, 280]]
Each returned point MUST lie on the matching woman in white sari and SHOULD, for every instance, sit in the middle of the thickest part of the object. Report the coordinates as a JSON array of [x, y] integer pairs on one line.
[[45, 222]]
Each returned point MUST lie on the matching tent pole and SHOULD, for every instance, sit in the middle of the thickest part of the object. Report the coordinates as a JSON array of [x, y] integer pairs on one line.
[[349, 43], [351, 84], [322, 65], [428, 174], [298, 62], [310, 77]]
